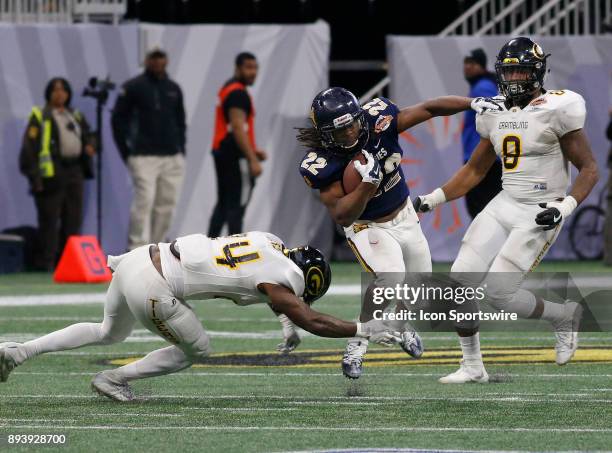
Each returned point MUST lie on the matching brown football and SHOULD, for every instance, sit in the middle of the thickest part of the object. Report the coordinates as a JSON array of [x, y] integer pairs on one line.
[[351, 178]]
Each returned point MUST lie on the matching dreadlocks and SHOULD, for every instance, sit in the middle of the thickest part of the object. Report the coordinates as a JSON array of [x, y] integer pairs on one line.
[[309, 137]]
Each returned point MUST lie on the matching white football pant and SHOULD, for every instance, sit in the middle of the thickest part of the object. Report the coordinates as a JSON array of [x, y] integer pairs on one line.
[[504, 238], [391, 249], [136, 292]]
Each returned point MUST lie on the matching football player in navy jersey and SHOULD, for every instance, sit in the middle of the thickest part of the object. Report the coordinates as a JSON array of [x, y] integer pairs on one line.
[[380, 224]]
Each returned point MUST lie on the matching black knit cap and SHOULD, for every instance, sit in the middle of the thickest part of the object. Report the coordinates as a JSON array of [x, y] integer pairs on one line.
[[479, 56]]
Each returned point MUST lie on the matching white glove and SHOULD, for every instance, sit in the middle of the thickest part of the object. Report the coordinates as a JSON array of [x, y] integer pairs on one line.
[[376, 331], [370, 171], [481, 105], [290, 336], [424, 203], [555, 211]]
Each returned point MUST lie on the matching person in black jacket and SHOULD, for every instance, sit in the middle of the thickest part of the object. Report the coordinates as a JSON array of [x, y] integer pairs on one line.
[[149, 129], [56, 158]]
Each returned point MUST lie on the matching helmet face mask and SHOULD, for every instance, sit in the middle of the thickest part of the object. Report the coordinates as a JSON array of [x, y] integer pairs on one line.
[[521, 69], [316, 270], [340, 121], [344, 139], [517, 82]]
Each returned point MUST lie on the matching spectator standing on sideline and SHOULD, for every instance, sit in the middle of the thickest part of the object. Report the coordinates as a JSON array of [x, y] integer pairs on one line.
[[56, 158], [149, 130], [482, 84], [237, 158], [608, 223]]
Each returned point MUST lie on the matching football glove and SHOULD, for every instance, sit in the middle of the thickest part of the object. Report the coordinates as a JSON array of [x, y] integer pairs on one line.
[[555, 211], [291, 339], [424, 203], [481, 105], [370, 171], [376, 331]]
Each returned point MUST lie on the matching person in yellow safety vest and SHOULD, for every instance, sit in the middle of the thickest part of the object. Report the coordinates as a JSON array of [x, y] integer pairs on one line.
[[56, 157]]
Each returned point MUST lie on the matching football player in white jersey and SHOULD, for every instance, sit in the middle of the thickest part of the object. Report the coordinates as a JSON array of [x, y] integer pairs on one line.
[[153, 283], [536, 134]]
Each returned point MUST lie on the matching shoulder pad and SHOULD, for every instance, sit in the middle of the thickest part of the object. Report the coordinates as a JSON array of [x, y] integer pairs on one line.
[[562, 97], [320, 169], [381, 114]]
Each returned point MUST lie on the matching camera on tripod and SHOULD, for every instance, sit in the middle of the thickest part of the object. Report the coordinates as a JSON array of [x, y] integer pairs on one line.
[[99, 89]]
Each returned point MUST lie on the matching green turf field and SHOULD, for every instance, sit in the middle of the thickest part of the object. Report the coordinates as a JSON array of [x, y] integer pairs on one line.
[[237, 404]]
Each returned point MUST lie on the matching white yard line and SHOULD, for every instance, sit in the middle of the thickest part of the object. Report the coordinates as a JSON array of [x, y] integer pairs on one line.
[[312, 428], [144, 336], [352, 289], [241, 409], [317, 374], [98, 298], [332, 399], [131, 414], [271, 319]]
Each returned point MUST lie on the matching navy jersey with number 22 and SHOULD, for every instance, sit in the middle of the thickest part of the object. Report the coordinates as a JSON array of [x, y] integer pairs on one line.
[[320, 168]]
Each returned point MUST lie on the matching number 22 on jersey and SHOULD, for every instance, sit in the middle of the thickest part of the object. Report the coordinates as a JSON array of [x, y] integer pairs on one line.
[[511, 151], [313, 163]]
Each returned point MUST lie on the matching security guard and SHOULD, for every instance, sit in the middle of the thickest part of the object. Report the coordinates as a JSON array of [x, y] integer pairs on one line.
[[237, 158], [149, 130], [56, 158]]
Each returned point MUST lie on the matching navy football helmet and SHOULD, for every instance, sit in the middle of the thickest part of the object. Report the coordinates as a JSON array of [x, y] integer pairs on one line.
[[340, 121], [317, 273], [525, 57]]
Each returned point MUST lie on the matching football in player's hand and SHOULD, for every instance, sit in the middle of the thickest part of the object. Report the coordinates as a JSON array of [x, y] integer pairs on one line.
[[351, 178]]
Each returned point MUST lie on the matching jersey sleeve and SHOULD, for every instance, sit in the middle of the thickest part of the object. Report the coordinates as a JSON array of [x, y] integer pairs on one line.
[[237, 99], [570, 114], [280, 270], [319, 170], [381, 113], [482, 126]]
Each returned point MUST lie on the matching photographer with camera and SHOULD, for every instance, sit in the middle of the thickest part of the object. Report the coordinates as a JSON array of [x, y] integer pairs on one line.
[[149, 130], [56, 158]]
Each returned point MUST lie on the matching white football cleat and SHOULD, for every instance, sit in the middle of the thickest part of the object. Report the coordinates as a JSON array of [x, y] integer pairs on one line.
[[105, 384], [352, 361], [566, 332], [466, 374], [7, 361]]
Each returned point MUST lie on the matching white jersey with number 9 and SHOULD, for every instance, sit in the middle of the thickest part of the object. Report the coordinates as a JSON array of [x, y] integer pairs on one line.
[[527, 143]]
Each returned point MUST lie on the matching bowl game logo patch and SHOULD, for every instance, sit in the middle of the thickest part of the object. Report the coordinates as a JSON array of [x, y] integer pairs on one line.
[[382, 123]]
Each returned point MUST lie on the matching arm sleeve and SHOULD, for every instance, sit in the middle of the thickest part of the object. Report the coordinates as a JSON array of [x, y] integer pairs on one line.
[[28, 157], [88, 137], [121, 120], [570, 115], [609, 131], [237, 99]]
